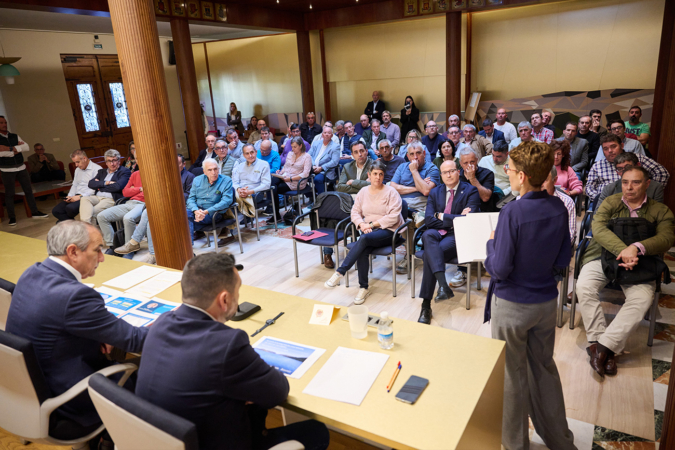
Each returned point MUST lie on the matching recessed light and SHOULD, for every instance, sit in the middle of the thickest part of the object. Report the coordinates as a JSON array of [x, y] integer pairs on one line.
[[310, 6]]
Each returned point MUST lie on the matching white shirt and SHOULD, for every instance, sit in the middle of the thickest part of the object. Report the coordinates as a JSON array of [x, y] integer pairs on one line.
[[321, 152], [81, 180], [509, 131], [359, 171], [108, 177], [19, 148], [320, 136], [489, 138], [68, 267]]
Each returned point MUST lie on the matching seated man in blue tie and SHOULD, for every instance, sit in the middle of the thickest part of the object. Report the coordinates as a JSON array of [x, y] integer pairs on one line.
[[452, 199], [213, 377], [67, 322]]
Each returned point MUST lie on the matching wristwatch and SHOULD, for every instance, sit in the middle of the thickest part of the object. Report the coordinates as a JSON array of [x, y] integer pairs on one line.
[[371, 224]]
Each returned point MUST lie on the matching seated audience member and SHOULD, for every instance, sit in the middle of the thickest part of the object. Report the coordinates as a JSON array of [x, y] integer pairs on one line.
[[567, 178], [143, 228], [453, 198], [371, 138], [43, 166], [410, 115], [608, 340], [286, 137], [225, 161], [605, 172], [491, 133], [376, 214], [495, 163], [447, 153], [549, 186], [325, 158], [211, 194], [477, 142], [340, 132], [310, 128], [208, 152], [655, 189], [578, 148], [539, 131], [454, 134], [547, 119], [318, 137], [298, 166], [85, 171], [525, 133], [414, 136], [131, 163], [354, 176], [596, 126], [233, 118], [251, 177], [215, 379], [389, 128], [266, 154], [629, 145], [107, 185], [505, 127], [235, 146], [252, 126], [390, 161], [349, 139], [432, 138], [295, 132], [375, 108], [129, 213], [584, 132], [363, 125], [481, 178], [68, 324], [255, 136], [453, 121], [639, 129]]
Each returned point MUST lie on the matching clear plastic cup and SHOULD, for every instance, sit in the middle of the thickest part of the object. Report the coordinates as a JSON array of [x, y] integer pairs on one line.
[[358, 321]]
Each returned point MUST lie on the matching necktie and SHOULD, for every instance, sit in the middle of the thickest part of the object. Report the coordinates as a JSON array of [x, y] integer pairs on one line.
[[448, 209]]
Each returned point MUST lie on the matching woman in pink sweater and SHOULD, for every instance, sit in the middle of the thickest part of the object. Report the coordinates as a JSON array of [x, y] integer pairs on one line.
[[567, 179], [377, 215]]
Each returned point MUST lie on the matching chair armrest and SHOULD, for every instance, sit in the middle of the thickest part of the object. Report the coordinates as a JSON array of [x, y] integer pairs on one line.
[[581, 249], [254, 196], [346, 219], [353, 229], [122, 200], [418, 235], [233, 207], [297, 220], [393, 238]]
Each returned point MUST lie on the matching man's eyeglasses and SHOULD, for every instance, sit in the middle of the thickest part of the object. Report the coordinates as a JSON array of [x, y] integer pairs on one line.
[[431, 126], [112, 161], [618, 128], [449, 172], [621, 170]]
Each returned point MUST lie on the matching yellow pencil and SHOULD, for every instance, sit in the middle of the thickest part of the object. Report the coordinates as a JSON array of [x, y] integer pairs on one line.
[[393, 377]]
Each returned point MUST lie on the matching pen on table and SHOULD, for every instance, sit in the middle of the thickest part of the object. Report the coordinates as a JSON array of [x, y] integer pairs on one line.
[[393, 377]]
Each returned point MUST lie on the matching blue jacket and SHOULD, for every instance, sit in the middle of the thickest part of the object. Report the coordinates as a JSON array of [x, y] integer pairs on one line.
[[67, 322], [465, 197], [205, 372], [216, 197], [330, 158], [120, 177], [347, 143], [273, 159], [496, 135]]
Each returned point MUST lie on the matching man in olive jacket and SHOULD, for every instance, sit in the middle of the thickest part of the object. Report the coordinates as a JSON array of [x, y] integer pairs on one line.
[[354, 176], [605, 341]]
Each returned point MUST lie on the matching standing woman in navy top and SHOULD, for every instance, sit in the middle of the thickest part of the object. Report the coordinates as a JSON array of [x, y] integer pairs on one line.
[[530, 241]]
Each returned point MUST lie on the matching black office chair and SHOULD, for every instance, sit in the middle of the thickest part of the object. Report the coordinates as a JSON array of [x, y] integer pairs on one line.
[[6, 291], [215, 226], [305, 186]]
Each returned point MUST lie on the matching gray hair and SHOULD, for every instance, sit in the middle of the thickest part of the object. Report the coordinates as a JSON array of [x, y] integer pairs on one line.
[[329, 127], [78, 152], [112, 153], [67, 233], [372, 122], [467, 150], [251, 145], [468, 125], [340, 123], [231, 131], [414, 144], [300, 142], [222, 140], [384, 141], [208, 161], [524, 124], [454, 116]]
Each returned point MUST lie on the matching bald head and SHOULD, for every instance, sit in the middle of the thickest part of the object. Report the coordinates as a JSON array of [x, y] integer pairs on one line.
[[265, 147]]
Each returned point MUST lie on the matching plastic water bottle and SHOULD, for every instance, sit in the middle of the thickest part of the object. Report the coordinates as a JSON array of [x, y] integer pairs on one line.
[[385, 332]]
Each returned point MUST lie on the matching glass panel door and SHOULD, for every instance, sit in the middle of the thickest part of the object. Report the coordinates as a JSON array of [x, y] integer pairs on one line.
[[119, 105], [85, 93]]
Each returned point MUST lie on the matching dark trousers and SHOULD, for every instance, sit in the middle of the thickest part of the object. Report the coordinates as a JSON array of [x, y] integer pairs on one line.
[[47, 175], [319, 182], [8, 179], [206, 221], [365, 245], [280, 188], [437, 250], [311, 434], [66, 211]]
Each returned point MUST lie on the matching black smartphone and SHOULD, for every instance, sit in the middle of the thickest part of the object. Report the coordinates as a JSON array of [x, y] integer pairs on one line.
[[412, 389]]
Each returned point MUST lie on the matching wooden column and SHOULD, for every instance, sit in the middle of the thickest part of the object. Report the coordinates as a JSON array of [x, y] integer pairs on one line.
[[664, 64], [453, 63], [306, 83], [467, 77], [135, 30], [324, 77], [187, 80]]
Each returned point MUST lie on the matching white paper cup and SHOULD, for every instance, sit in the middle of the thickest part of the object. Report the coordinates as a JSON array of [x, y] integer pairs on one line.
[[358, 321]]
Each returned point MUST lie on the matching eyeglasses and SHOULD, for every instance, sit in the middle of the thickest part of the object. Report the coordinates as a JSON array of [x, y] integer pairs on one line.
[[431, 126], [449, 172], [618, 128], [112, 161], [621, 170], [221, 148]]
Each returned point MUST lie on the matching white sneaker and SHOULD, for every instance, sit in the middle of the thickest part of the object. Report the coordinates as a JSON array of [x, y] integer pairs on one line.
[[459, 279], [333, 280], [361, 296], [419, 219]]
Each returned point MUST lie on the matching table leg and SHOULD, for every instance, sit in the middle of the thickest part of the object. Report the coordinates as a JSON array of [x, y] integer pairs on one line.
[[29, 213]]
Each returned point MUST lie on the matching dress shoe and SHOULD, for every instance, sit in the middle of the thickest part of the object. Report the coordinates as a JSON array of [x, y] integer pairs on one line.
[[425, 316], [443, 294], [129, 247], [597, 360], [328, 261], [610, 365], [228, 240]]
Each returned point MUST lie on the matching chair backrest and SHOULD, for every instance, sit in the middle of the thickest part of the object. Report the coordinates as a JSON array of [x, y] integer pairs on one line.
[[404, 209], [330, 207], [22, 388], [135, 423], [6, 291]]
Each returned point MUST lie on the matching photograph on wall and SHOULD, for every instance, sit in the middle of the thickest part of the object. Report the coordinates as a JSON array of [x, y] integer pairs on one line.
[[193, 11], [442, 5], [494, 2], [426, 6], [221, 12], [476, 3], [162, 7], [178, 8], [410, 8], [207, 11], [458, 4]]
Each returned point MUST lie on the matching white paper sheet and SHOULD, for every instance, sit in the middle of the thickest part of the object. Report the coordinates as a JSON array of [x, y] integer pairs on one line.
[[108, 293], [471, 235], [156, 284], [290, 358], [347, 376], [134, 277]]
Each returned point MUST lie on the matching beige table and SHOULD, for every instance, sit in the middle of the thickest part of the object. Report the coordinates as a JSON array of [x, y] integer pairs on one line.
[[461, 408]]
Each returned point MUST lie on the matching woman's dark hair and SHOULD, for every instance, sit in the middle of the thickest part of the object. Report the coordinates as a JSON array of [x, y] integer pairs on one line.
[[564, 147], [377, 165], [440, 144], [299, 141], [412, 101]]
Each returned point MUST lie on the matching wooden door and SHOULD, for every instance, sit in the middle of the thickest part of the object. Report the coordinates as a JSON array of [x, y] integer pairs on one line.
[[116, 103]]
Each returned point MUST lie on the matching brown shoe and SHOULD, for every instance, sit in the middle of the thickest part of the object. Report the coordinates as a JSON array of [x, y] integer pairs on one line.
[[225, 241], [597, 360], [328, 261], [610, 365]]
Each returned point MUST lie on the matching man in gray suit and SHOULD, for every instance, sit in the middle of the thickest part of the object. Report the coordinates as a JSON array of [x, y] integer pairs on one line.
[[354, 176], [578, 148], [623, 161], [325, 155]]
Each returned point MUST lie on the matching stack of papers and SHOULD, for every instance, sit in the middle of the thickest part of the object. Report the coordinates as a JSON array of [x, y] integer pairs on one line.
[[137, 310], [134, 277]]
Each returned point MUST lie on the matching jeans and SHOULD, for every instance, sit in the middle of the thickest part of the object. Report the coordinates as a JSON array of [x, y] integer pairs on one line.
[[8, 179], [365, 245], [206, 221], [142, 230], [319, 182], [129, 213]]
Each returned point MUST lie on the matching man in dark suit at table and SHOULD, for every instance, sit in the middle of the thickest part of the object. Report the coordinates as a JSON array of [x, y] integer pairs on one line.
[[454, 198], [67, 322], [375, 108], [213, 377]]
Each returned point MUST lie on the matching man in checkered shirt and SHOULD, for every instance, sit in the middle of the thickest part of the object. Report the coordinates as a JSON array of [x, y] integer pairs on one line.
[[604, 172], [539, 131]]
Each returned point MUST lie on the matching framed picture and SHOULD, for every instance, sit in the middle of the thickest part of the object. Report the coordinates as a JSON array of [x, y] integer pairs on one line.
[[426, 6], [410, 8], [476, 3], [193, 10], [458, 4], [494, 2], [162, 8], [207, 11], [442, 5], [178, 8], [221, 12]]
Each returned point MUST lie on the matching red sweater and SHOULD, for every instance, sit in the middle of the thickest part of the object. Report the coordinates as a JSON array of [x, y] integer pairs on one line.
[[133, 188]]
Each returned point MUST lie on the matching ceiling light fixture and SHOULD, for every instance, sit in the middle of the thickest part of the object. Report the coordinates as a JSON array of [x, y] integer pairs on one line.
[[310, 6], [7, 70]]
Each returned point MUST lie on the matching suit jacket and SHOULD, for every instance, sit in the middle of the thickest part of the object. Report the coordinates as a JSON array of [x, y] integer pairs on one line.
[[368, 136], [349, 173], [186, 178], [120, 177], [201, 158], [34, 164], [67, 321], [205, 371], [465, 197], [330, 158], [496, 135], [375, 114]]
